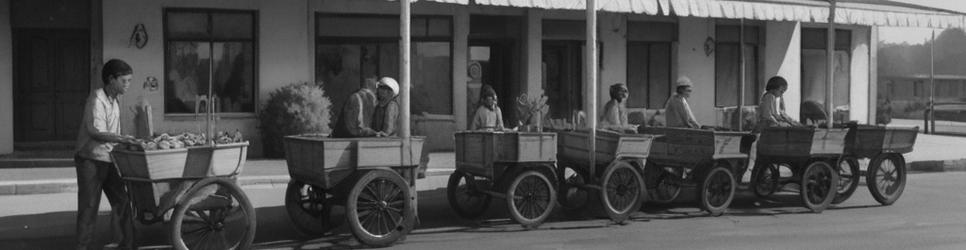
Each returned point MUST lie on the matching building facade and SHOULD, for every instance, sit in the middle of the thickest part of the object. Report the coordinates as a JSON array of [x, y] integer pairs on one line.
[[50, 57]]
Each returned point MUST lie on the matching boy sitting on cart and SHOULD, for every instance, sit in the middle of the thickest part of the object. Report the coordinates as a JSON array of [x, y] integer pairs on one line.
[[488, 116]]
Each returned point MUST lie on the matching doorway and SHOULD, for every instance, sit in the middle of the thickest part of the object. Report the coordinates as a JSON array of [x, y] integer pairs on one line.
[[563, 77], [51, 83]]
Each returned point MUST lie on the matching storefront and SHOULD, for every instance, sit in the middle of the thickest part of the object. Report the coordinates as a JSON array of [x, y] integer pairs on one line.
[[250, 48]]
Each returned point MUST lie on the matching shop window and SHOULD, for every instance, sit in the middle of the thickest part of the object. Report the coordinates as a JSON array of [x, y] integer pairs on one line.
[[648, 74], [346, 55], [215, 48], [814, 67], [649, 78], [728, 66]]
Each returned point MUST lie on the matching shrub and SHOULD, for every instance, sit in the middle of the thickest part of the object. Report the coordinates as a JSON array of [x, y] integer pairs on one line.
[[297, 108]]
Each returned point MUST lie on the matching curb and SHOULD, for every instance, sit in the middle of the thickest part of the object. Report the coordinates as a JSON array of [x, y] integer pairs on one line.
[[53, 186], [938, 166]]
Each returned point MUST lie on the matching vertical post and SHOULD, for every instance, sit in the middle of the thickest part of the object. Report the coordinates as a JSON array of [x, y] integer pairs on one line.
[[404, 68], [741, 77], [208, 104], [932, 83], [591, 61], [830, 67]]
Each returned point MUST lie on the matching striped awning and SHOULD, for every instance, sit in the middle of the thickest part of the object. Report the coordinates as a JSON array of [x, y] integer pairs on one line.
[[847, 12], [649, 7], [857, 13]]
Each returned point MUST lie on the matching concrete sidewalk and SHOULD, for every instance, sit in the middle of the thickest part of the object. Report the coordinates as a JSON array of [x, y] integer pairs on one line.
[[932, 153], [257, 172]]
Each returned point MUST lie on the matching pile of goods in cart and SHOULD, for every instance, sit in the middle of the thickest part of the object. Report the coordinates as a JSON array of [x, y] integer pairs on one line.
[[187, 139]]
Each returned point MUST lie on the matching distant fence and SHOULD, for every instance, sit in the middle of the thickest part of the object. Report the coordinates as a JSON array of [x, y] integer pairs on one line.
[[952, 116]]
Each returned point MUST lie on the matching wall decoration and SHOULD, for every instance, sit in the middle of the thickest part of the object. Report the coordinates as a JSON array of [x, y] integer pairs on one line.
[[139, 37], [151, 84], [709, 46]]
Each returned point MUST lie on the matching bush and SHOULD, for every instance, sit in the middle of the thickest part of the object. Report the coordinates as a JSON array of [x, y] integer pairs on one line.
[[297, 108]]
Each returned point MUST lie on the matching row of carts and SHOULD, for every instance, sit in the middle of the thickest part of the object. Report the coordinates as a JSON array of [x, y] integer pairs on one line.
[[371, 181]]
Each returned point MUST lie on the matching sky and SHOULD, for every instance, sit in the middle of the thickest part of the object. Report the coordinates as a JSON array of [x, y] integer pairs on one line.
[[918, 35]]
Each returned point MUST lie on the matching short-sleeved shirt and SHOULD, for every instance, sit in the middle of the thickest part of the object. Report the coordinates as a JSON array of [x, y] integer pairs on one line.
[[101, 114]]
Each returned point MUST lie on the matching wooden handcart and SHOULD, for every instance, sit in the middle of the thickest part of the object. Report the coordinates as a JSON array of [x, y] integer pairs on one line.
[[194, 190], [373, 179], [516, 166], [810, 154], [616, 175], [711, 160], [886, 174]]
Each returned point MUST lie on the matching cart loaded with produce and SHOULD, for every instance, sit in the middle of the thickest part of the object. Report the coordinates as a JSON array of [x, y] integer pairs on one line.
[[188, 181]]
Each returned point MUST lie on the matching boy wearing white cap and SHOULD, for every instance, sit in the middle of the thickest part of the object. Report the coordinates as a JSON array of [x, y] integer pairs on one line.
[[385, 118], [677, 111]]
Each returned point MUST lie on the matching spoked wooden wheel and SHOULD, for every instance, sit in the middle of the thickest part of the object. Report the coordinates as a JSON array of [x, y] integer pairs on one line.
[[530, 198], [848, 168], [622, 190], [717, 190], [380, 208], [214, 214], [309, 209], [572, 196], [818, 184], [465, 195], [886, 178], [766, 178], [667, 188]]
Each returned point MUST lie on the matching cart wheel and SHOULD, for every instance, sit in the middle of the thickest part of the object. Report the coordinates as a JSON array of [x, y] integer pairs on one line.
[[717, 190], [622, 190], [818, 184], [380, 208], [573, 197], [214, 214], [309, 209], [886, 178], [667, 188], [765, 179], [465, 196], [530, 198], [848, 168]]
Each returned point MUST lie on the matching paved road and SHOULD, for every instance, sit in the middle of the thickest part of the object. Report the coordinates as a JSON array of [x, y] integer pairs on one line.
[[929, 216]]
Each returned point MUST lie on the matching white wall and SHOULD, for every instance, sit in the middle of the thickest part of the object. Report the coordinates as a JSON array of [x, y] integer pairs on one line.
[[612, 31], [783, 57], [860, 85], [693, 63], [6, 80]]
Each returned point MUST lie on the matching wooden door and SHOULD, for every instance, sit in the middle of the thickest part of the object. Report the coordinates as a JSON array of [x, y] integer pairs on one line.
[[51, 82]]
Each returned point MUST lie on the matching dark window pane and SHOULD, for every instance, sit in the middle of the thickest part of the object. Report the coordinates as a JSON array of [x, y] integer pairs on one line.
[[637, 78], [659, 75], [340, 26], [186, 79], [726, 74], [418, 27], [813, 77], [816, 38], [338, 69], [440, 27], [232, 25], [190, 25], [234, 84], [432, 90], [651, 31], [752, 87]]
